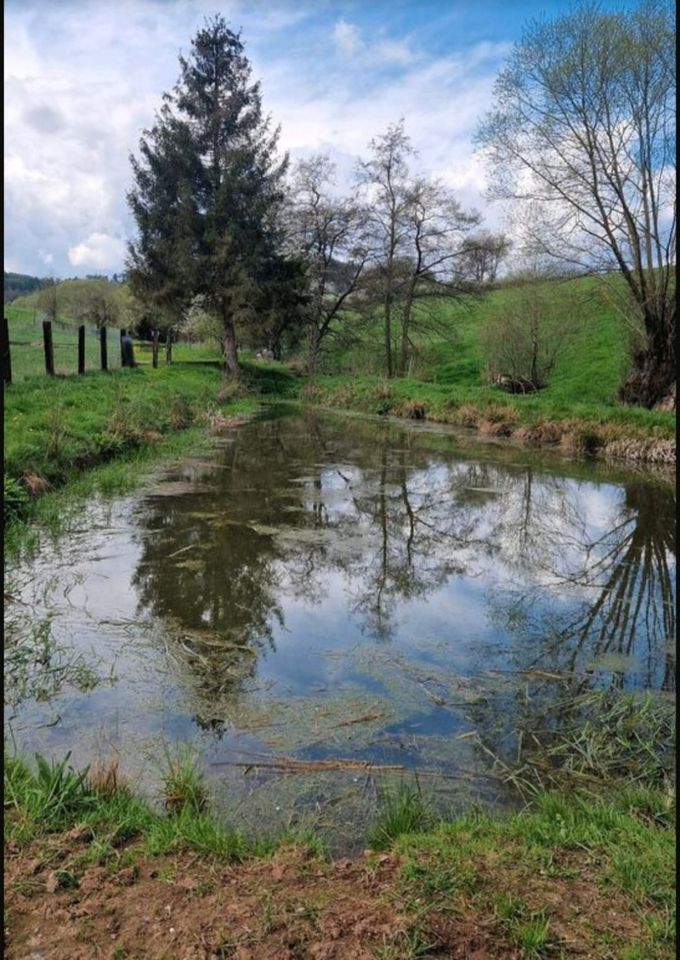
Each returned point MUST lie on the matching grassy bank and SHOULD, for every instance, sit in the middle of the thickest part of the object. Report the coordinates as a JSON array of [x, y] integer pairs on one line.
[[574, 428], [58, 430], [91, 867]]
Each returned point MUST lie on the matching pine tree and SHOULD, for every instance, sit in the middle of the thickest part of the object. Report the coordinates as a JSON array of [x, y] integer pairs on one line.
[[207, 189]]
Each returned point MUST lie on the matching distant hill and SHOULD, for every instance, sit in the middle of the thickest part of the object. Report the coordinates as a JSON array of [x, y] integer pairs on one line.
[[20, 284]]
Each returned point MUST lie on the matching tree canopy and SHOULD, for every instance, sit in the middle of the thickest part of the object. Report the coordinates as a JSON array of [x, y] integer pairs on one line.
[[582, 132], [208, 185]]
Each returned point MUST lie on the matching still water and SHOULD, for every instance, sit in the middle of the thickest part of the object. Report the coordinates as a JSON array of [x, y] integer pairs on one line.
[[372, 599]]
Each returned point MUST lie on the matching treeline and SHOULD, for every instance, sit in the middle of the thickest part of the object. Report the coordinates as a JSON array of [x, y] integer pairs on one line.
[[236, 242], [230, 237], [19, 285]]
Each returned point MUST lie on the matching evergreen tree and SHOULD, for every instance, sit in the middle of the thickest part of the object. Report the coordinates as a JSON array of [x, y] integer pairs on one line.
[[207, 189]]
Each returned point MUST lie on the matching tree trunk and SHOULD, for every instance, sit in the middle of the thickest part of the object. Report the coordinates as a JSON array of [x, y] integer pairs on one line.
[[534, 352], [388, 337], [405, 325], [653, 376], [230, 350], [313, 349]]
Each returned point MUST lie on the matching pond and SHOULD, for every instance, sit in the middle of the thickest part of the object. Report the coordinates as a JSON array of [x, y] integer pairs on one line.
[[327, 604]]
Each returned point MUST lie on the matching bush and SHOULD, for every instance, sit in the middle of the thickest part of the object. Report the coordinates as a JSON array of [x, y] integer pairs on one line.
[[536, 327]]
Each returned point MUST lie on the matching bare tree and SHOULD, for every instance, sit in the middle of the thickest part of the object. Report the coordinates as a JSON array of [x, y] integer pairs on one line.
[[330, 233], [583, 130], [385, 177], [483, 254], [435, 226]]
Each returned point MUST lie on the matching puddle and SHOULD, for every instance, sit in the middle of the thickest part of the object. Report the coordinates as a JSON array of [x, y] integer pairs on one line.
[[332, 604]]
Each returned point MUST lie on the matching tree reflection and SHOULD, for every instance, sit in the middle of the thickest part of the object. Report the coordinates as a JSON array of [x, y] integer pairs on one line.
[[610, 599], [300, 502]]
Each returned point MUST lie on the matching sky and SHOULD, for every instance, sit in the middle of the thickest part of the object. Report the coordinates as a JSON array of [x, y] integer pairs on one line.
[[83, 79]]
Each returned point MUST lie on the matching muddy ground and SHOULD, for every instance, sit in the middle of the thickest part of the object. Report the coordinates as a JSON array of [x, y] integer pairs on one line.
[[292, 906]]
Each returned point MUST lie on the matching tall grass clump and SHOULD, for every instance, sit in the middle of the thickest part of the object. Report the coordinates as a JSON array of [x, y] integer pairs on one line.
[[404, 810], [184, 787]]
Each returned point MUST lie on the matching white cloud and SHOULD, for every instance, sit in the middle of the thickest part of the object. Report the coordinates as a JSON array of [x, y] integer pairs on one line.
[[347, 38], [349, 42], [83, 80], [98, 250]]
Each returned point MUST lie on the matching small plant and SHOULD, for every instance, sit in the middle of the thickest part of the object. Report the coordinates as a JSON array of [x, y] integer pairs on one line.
[[49, 798], [16, 499], [106, 778], [56, 432], [184, 787], [404, 811], [534, 936]]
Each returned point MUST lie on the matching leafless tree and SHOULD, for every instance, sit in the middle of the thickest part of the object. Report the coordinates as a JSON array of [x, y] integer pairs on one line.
[[385, 179], [435, 226], [583, 133], [483, 254], [331, 235]]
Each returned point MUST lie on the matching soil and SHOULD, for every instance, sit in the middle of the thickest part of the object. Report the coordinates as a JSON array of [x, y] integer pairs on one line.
[[292, 906]]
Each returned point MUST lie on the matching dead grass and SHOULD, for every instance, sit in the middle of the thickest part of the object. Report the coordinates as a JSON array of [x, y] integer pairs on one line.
[[36, 484], [105, 776]]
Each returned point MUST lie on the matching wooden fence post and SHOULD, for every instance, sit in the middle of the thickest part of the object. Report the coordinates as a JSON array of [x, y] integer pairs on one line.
[[154, 349], [81, 349], [122, 352], [49, 347], [102, 348], [6, 356]]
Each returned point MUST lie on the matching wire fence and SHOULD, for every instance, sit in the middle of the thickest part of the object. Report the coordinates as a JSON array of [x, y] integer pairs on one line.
[[34, 347], [25, 353]]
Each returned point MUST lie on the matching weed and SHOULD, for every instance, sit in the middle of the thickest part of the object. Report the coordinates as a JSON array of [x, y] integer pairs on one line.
[[184, 785], [15, 499], [533, 935], [402, 811]]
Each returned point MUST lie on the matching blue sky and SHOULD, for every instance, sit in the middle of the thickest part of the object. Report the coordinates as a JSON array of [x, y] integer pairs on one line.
[[83, 79]]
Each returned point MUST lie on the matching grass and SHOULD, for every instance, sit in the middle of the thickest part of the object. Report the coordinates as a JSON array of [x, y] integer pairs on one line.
[[604, 739], [53, 797], [184, 786], [577, 410], [511, 867], [401, 811], [58, 430], [566, 870]]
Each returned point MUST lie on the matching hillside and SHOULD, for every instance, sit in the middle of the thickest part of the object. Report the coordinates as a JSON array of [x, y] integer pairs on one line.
[[19, 285]]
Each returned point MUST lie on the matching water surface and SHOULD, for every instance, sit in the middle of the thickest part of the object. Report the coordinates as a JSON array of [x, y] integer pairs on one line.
[[325, 588]]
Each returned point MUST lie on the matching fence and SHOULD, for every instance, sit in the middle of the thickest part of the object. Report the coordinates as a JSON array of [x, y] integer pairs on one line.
[[33, 347]]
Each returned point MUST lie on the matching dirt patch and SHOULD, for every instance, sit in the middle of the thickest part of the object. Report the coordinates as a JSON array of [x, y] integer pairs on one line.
[[292, 906]]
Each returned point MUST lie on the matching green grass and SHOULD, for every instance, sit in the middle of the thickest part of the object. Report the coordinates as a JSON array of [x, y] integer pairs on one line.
[[401, 811], [26, 344], [449, 371], [57, 428], [506, 867], [184, 785], [52, 797]]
